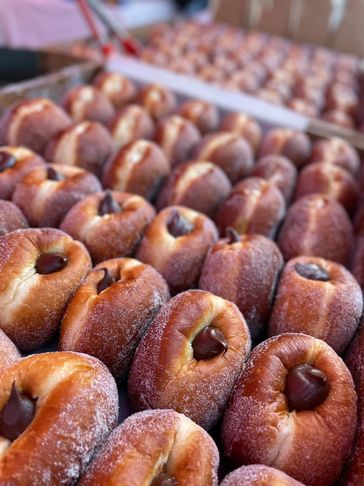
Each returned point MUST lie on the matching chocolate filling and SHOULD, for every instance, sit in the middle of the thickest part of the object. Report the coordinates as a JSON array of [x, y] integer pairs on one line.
[[108, 205], [106, 281], [7, 161], [17, 414], [232, 235], [312, 271], [306, 387], [164, 479], [179, 226], [209, 343], [53, 175], [50, 263]]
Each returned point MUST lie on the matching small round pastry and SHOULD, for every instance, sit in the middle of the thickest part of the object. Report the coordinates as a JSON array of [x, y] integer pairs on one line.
[[177, 137], [258, 475], [317, 225], [40, 271], [140, 167], [131, 123], [11, 218], [119, 89], [198, 185], [157, 100], [333, 302], [194, 351], [279, 171], [56, 409], [47, 193], [336, 151], [255, 206], [8, 351], [88, 103], [304, 107], [176, 244], [111, 310], [155, 447], [110, 223], [294, 409], [294, 145], [87, 145], [15, 162], [234, 268], [245, 126], [340, 118], [229, 151], [202, 114], [32, 123]]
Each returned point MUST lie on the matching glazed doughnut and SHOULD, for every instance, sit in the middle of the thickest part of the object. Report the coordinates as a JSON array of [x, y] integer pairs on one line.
[[245, 270], [294, 145], [279, 171], [40, 270], [117, 88], [65, 404], [177, 137], [87, 145], [293, 408], [329, 179], [316, 225], [229, 151], [198, 185], [123, 293], [338, 152], [255, 206], [11, 218], [258, 475], [140, 167], [156, 447], [110, 224], [245, 126], [47, 193], [202, 114], [194, 351], [333, 302], [88, 103], [157, 100], [32, 123], [131, 123], [15, 163], [176, 244], [8, 351]]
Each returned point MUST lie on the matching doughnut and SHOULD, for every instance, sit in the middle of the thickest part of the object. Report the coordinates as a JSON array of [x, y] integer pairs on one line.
[[294, 145], [156, 447], [8, 351], [279, 171], [245, 126], [86, 144], [333, 302], [157, 100], [198, 185], [11, 218], [194, 351], [177, 137], [86, 102], [176, 244], [304, 107], [110, 223], [131, 123], [32, 123], [47, 193], [245, 270], [316, 225], [255, 206], [202, 114], [140, 167], [340, 118], [229, 151], [338, 152], [258, 475], [294, 409], [111, 310], [65, 405], [15, 163], [40, 270], [116, 87]]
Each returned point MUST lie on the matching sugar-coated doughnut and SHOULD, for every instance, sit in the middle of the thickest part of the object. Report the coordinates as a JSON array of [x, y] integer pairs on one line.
[[338, 152], [116, 87], [11, 218], [258, 475], [201, 113], [8, 351], [131, 123], [279, 171], [243, 125], [294, 145], [157, 100], [86, 102]]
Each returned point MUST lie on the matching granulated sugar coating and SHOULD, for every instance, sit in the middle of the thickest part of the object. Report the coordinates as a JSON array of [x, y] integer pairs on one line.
[[258, 475]]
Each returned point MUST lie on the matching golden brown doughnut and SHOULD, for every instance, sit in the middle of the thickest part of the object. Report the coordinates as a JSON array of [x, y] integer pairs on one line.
[[11, 218], [194, 352], [86, 102], [47, 193], [294, 145], [156, 447], [293, 408], [110, 223], [66, 404], [338, 152], [157, 100], [40, 270], [258, 475], [201, 113], [116, 87], [111, 310], [243, 125], [279, 171], [131, 123], [8, 351]]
